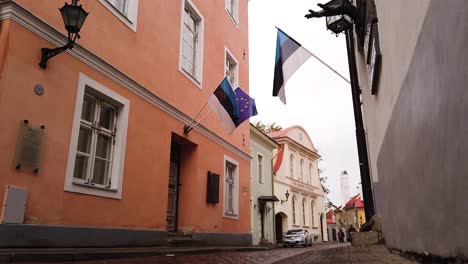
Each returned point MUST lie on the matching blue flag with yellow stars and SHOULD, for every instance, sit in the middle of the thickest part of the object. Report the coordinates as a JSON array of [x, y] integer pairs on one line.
[[245, 105]]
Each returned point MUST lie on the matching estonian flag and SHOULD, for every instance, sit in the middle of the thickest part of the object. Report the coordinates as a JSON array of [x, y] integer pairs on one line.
[[290, 55], [223, 102]]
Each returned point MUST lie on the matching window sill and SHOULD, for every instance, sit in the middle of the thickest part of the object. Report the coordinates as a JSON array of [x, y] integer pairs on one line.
[[305, 226], [232, 18], [294, 225], [315, 227], [191, 78], [94, 186], [129, 20], [231, 216]]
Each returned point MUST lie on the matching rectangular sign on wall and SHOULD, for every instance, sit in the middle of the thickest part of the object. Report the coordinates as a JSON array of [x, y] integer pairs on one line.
[[29, 146], [212, 190], [14, 205]]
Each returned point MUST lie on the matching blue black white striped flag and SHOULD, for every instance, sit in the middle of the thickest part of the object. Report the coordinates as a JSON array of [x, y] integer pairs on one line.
[[290, 55], [223, 102]]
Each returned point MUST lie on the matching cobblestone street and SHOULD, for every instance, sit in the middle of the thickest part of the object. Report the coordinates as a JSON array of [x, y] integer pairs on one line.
[[321, 253]]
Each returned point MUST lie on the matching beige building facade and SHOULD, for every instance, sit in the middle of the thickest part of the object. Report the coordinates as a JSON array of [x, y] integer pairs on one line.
[[297, 185]]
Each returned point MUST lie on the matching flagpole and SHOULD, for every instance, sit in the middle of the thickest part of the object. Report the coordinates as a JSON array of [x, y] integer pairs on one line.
[[329, 67], [187, 129], [193, 120], [315, 56]]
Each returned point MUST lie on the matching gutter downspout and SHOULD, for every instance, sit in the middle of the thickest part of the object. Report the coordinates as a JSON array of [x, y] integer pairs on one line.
[[273, 192], [360, 132]]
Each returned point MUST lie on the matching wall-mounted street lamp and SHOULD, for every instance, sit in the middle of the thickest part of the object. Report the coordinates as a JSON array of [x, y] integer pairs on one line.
[[287, 197], [73, 18], [339, 15]]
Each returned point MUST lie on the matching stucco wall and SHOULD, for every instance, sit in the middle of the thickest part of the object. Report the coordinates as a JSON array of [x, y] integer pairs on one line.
[[421, 166], [145, 184], [309, 188], [400, 22], [259, 146]]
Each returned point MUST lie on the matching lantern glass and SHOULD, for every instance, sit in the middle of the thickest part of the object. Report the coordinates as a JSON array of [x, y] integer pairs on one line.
[[339, 23], [73, 17]]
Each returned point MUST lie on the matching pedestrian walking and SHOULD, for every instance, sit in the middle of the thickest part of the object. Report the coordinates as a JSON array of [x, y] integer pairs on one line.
[[351, 229], [341, 236]]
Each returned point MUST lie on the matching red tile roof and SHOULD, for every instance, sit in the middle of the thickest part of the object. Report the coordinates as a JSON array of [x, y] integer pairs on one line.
[[359, 203], [354, 202], [330, 219]]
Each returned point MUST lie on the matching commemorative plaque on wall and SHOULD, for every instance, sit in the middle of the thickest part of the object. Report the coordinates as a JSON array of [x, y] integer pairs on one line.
[[29, 147]]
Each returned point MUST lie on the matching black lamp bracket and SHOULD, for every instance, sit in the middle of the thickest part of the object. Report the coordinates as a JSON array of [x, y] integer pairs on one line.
[[334, 8], [47, 53]]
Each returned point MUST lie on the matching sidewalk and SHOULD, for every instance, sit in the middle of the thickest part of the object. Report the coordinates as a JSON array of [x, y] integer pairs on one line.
[[83, 254], [349, 254]]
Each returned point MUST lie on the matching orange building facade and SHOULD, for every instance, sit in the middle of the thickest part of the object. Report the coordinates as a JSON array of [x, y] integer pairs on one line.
[[115, 167]]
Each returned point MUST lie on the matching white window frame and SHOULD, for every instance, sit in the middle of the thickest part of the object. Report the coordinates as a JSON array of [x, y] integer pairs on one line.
[[301, 162], [260, 170], [293, 208], [228, 56], [118, 159], [235, 213], [304, 212], [310, 173], [312, 203], [129, 18], [291, 165], [234, 15], [198, 78]]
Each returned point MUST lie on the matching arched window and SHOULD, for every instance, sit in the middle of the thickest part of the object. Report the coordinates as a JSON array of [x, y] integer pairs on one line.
[[312, 212], [293, 201], [310, 172], [303, 212], [291, 166], [302, 170]]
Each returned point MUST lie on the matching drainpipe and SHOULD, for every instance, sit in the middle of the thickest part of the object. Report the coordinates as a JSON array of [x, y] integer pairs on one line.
[[273, 192], [360, 132]]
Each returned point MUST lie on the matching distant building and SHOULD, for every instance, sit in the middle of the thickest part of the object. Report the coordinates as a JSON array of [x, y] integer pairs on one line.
[[296, 174], [261, 186], [352, 213], [332, 229]]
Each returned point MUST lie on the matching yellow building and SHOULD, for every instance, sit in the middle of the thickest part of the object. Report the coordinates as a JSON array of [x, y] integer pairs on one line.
[[352, 213]]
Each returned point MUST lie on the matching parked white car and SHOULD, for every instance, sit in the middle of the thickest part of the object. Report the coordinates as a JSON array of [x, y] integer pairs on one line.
[[297, 237]]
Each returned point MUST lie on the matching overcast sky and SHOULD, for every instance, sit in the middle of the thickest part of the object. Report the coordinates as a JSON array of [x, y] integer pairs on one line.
[[317, 99]]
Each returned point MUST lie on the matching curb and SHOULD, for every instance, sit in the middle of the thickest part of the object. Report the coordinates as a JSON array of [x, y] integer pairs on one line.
[[54, 255]]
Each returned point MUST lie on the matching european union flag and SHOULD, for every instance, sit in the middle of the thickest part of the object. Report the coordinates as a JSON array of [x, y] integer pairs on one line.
[[245, 105]]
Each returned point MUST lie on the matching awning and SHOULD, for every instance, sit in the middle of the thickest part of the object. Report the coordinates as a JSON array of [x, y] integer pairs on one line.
[[271, 198]]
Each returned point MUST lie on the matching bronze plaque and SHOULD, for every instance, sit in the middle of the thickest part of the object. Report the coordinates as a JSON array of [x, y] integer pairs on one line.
[[29, 147]]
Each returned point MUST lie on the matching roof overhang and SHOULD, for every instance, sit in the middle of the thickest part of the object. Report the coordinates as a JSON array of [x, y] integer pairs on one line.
[[270, 198]]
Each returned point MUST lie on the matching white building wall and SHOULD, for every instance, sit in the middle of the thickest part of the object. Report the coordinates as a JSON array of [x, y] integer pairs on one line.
[[397, 45], [260, 146], [301, 189]]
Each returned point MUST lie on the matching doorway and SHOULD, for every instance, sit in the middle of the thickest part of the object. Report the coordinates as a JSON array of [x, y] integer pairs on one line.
[[280, 218], [173, 188], [321, 228]]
